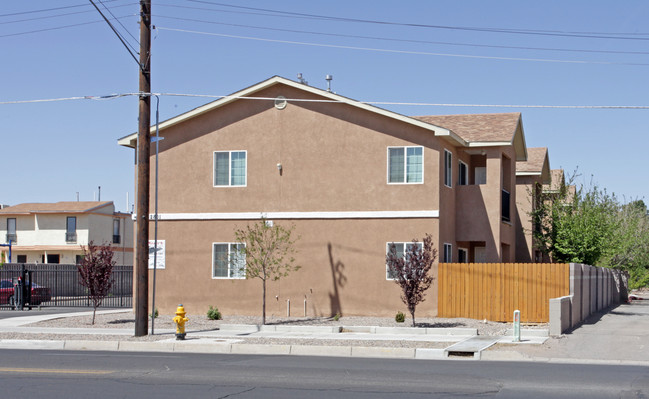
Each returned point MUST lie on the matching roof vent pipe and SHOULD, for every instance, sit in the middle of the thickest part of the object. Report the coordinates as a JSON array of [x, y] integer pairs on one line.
[[329, 78], [301, 79]]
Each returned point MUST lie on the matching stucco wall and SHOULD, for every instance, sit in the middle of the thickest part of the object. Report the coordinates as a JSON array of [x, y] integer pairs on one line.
[[343, 269]]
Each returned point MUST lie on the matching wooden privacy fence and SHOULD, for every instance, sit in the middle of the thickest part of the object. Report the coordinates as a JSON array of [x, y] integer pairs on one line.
[[493, 291]]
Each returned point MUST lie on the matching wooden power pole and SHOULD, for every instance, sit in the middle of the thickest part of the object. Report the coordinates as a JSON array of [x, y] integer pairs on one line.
[[143, 175]]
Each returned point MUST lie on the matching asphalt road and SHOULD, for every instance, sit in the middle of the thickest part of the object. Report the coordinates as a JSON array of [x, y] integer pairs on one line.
[[99, 375]]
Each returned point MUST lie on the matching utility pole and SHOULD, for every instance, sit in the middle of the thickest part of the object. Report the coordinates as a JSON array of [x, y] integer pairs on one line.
[[143, 175]]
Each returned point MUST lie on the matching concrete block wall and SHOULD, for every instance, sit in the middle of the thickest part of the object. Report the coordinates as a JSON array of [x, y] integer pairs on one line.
[[591, 289]]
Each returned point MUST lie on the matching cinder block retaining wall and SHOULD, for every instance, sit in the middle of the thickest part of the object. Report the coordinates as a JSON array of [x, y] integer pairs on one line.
[[591, 289]]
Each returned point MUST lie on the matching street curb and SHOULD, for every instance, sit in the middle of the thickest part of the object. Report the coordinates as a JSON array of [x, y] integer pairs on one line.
[[251, 328], [171, 346]]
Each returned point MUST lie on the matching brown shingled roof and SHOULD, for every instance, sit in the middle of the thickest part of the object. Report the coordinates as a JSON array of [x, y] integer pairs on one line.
[[535, 160], [478, 127], [56, 207]]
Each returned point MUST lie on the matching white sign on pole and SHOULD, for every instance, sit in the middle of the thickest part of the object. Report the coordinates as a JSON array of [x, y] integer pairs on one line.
[[160, 257]]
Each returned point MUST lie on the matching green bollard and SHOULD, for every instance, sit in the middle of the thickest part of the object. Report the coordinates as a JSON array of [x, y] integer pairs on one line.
[[517, 326]]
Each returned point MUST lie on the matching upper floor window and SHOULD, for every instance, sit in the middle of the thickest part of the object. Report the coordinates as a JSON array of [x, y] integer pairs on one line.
[[463, 174], [71, 229], [229, 168], [400, 250], [11, 230], [116, 235], [228, 261], [405, 164], [448, 253], [448, 168]]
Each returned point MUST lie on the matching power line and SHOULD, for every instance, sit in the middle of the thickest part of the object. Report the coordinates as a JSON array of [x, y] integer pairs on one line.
[[118, 35], [57, 15], [49, 9], [307, 100], [120, 22], [403, 40], [58, 27], [448, 27], [403, 51]]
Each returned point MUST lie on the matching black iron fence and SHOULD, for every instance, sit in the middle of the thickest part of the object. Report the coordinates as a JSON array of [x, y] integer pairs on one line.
[[58, 285]]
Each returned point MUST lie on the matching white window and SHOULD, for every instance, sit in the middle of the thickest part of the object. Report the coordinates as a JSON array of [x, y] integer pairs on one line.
[[462, 255], [405, 164], [11, 230], [230, 168], [463, 174], [481, 175], [448, 253], [401, 248], [448, 168], [228, 261]]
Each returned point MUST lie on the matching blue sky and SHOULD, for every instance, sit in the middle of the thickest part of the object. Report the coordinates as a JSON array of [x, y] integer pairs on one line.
[[551, 53]]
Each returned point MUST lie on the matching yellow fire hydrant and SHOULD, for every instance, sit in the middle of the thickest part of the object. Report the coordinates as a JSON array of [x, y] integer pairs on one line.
[[180, 321]]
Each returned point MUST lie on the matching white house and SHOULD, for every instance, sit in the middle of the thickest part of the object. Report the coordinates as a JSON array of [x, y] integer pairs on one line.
[[58, 232]]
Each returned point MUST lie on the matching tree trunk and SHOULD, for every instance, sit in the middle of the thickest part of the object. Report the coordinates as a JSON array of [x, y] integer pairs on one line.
[[94, 310], [412, 313], [263, 302]]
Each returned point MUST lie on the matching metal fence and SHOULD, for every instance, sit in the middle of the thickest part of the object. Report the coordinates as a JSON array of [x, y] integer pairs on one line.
[[64, 286]]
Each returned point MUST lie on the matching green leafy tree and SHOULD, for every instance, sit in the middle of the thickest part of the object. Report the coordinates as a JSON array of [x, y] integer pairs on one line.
[[269, 254], [95, 273], [591, 226], [411, 271]]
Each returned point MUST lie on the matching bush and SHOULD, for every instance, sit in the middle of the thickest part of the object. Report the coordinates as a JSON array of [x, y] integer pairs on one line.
[[337, 317], [400, 317], [155, 314], [214, 314]]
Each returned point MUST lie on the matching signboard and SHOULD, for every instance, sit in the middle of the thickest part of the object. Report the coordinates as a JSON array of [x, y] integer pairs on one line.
[[160, 257]]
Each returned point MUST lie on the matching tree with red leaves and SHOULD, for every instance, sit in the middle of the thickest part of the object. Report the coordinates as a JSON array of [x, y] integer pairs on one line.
[[411, 271], [95, 273]]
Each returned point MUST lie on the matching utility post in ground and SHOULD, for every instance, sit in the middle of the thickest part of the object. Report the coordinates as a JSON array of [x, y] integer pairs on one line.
[[143, 175]]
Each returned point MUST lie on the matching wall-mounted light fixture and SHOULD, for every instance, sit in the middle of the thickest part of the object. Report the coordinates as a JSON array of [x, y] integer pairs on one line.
[[279, 168]]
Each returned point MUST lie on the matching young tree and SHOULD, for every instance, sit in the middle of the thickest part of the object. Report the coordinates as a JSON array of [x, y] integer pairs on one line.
[[268, 254], [411, 271], [95, 273]]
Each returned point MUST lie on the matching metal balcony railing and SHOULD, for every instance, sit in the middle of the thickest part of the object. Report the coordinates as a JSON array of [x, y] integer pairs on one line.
[[12, 237], [71, 237], [116, 239]]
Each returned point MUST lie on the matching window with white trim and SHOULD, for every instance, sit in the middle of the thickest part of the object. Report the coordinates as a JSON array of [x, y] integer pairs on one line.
[[448, 168], [228, 260], [230, 168], [401, 248], [462, 255], [463, 174], [448, 253], [405, 164]]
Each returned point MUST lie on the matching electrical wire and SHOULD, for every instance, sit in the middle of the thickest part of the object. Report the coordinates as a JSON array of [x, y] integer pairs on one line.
[[58, 15], [402, 40], [121, 39], [49, 9], [402, 51], [331, 101], [120, 22], [58, 27], [448, 27]]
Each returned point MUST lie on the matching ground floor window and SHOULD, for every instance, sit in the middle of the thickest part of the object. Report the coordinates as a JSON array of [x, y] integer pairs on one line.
[[51, 258], [400, 249], [21, 259], [462, 255], [228, 261], [448, 253]]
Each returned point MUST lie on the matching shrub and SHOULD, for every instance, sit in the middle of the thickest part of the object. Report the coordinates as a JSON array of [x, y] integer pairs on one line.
[[214, 314], [337, 316], [155, 314], [400, 317]]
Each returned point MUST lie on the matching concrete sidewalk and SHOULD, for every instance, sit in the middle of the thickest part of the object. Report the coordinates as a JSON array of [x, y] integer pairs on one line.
[[232, 338], [620, 336]]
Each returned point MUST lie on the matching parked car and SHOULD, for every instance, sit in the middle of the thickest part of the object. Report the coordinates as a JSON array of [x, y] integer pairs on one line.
[[39, 293]]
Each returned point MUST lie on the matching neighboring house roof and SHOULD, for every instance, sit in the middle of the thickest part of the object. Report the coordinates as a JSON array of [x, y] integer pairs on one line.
[[485, 130], [557, 179], [537, 164], [130, 140], [56, 207]]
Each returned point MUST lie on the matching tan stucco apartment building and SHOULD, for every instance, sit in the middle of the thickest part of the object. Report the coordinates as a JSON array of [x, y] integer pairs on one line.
[[352, 178], [58, 232]]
